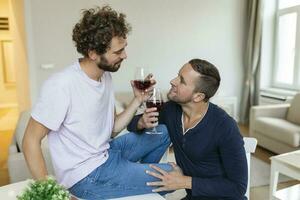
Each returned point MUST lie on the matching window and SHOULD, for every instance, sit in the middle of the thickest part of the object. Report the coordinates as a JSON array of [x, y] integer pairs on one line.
[[286, 73]]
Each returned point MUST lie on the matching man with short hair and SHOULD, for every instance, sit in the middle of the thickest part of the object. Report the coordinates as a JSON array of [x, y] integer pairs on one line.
[[76, 111], [208, 147]]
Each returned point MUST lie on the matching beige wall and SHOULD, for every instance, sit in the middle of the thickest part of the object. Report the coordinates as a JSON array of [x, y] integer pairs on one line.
[[8, 94], [17, 93], [4, 8], [21, 63]]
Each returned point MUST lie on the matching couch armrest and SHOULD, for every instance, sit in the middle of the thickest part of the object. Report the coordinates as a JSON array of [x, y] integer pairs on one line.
[[17, 167], [276, 111]]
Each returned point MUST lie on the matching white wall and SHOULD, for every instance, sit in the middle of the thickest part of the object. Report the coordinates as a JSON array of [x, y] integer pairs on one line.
[[166, 34]]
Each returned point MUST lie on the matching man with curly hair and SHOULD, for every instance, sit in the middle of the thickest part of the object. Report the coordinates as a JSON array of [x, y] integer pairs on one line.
[[76, 111]]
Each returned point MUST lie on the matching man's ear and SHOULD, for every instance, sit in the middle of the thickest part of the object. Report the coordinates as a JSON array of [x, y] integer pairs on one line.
[[92, 55], [198, 97]]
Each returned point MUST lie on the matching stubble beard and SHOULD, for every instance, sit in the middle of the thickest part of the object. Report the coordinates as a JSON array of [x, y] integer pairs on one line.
[[107, 67]]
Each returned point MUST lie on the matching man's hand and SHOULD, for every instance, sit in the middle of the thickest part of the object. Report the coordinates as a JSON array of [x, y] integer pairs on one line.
[[149, 118], [173, 180], [123, 119]]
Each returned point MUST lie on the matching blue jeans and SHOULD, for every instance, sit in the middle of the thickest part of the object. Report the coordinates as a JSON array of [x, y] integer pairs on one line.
[[123, 174]]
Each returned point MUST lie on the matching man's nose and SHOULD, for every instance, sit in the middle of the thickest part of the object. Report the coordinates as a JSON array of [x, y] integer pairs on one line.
[[124, 55], [172, 82]]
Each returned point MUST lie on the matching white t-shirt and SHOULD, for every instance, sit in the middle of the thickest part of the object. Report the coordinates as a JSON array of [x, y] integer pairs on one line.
[[79, 111]]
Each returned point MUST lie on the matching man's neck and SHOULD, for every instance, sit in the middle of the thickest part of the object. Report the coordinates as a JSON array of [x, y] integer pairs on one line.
[[193, 110], [193, 113], [91, 69]]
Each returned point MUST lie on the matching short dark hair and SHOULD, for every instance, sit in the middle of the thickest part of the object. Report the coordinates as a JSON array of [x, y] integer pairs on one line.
[[209, 79], [97, 28]]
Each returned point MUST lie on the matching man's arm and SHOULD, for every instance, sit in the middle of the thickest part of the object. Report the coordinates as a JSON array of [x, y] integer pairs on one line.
[[149, 119], [33, 136], [139, 122], [123, 119]]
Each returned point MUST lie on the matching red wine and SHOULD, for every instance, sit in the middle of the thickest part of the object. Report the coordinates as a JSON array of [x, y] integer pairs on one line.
[[157, 104], [142, 84]]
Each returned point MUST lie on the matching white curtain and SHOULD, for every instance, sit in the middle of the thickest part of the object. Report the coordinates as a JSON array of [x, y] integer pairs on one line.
[[250, 87]]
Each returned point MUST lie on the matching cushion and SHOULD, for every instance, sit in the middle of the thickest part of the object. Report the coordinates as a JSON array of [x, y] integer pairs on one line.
[[21, 127], [293, 114], [119, 107], [278, 129]]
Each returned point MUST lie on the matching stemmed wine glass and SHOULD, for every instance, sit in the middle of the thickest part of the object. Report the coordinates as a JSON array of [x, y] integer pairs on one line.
[[141, 79], [155, 100]]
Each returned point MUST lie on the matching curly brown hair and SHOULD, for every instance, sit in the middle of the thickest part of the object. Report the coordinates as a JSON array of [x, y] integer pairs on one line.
[[97, 28]]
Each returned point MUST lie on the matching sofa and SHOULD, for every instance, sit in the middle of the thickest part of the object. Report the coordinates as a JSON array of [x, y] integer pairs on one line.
[[277, 127]]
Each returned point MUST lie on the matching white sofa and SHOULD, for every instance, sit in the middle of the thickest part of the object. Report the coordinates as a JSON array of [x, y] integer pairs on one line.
[[277, 127]]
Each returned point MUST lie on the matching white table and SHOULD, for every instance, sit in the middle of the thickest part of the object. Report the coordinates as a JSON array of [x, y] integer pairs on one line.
[[10, 192], [290, 193], [287, 164]]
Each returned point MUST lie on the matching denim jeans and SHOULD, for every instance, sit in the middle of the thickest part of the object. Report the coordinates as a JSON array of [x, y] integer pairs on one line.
[[123, 174]]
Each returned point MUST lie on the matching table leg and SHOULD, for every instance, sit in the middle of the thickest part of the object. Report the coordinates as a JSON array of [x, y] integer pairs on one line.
[[273, 181]]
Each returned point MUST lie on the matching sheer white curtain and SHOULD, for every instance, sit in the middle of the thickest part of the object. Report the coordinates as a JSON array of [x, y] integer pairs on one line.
[[250, 87]]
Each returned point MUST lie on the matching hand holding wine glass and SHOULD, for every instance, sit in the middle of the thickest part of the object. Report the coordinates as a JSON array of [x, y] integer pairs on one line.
[[142, 83], [155, 101], [142, 79]]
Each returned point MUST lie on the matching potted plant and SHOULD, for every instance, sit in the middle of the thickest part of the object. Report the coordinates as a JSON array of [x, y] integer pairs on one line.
[[47, 189]]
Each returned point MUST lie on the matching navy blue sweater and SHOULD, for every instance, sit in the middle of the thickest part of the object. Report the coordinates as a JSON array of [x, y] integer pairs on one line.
[[212, 153]]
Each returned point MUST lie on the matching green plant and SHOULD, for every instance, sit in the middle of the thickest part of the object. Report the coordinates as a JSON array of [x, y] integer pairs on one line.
[[47, 189]]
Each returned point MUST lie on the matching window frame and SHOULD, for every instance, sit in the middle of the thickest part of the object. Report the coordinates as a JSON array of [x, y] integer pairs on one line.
[[296, 79]]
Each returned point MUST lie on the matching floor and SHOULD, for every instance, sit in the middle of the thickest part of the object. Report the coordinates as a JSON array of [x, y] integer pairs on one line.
[[261, 153], [262, 192], [8, 119]]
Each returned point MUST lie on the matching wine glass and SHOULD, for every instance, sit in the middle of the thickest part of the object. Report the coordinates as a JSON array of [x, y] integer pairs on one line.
[[155, 100], [141, 79]]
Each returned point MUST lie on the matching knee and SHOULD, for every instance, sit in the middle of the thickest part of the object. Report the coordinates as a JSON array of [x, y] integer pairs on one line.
[[165, 133], [162, 128]]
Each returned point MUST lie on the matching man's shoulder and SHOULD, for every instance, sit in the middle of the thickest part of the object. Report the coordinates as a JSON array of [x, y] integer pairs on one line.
[[220, 116], [63, 77]]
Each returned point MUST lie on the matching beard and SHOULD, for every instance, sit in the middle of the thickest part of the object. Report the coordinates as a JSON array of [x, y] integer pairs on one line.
[[104, 65], [178, 99]]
